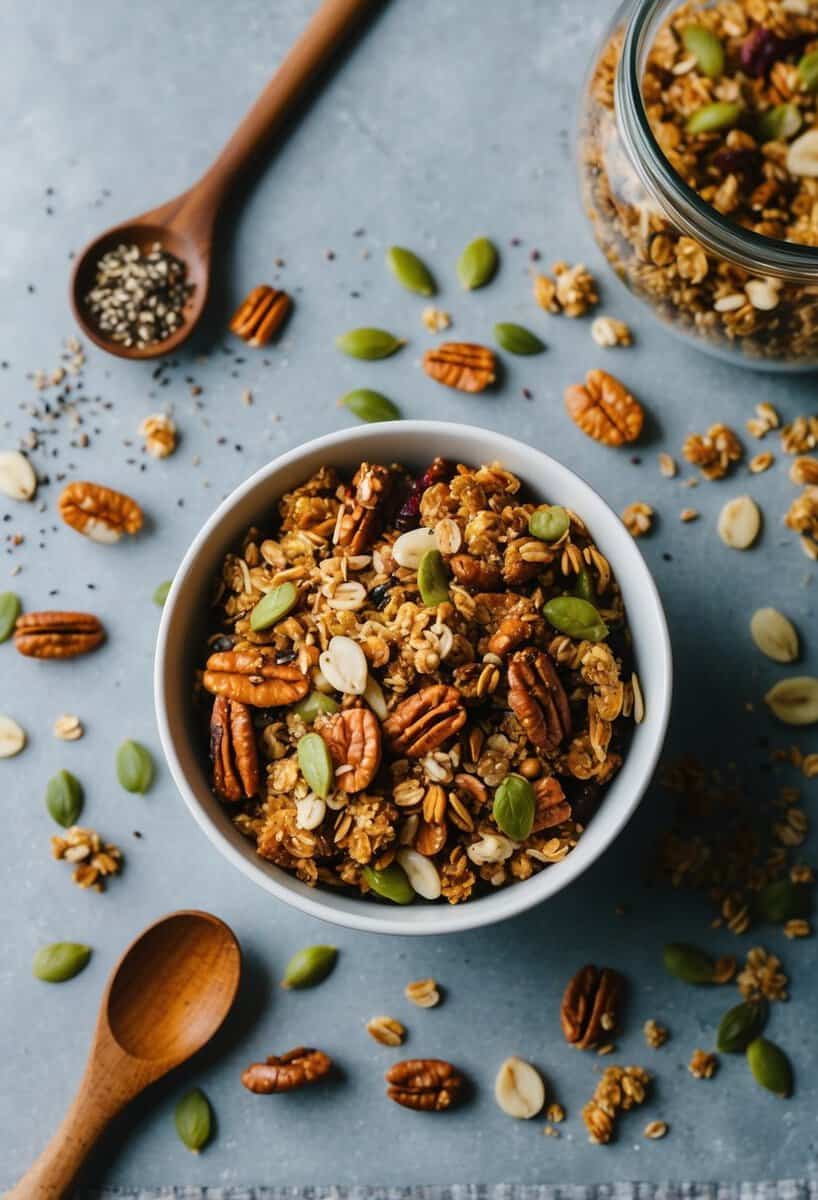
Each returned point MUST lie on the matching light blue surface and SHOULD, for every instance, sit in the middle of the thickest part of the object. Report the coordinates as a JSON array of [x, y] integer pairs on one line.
[[448, 120]]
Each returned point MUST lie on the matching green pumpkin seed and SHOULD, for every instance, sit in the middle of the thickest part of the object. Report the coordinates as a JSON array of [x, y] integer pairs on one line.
[[514, 806], [549, 522], [368, 343], [432, 579], [309, 708], [584, 586], [134, 767], [392, 883], [161, 593], [576, 617], [780, 900], [706, 49], [517, 339], [477, 264], [60, 961], [721, 114], [194, 1120], [739, 1026], [410, 270], [688, 963], [9, 612], [316, 763], [770, 1066], [779, 123], [63, 798], [309, 966], [808, 70], [371, 406], [274, 606]]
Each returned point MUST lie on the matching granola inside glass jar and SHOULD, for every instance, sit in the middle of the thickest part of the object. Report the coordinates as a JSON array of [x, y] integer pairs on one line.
[[699, 170]]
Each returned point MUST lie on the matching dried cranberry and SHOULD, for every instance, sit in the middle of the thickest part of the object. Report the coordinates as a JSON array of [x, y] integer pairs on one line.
[[737, 161], [585, 797], [761, 48], [439, 471], [409, 512]]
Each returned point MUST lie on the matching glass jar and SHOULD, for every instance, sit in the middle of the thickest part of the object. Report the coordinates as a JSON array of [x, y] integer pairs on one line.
[[727, 289]]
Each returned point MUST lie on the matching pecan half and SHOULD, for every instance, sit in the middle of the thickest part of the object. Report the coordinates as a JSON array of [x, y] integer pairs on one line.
[[425, 1084], [260, 315], [360, 515], [57, 634], [425, 720], [604, 409], [254, 677], [462, 365], [99, 512], [236, 774], [510, 633], [590, 1005], [354, 741], [286, 1072], [537, 698], [551, 806], [475, 572]]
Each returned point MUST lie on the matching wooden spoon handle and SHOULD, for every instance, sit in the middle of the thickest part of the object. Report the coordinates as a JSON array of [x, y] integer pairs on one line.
[[96, 1103], [333, 20]]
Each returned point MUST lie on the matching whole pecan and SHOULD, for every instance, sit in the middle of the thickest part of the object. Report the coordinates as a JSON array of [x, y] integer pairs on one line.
[[462, 365], [510, 633], [425, 720], [425, 1084], [361, 513], [590, 1005], [354, 741], [57, 634], [537, 698], [286, 1072], [255, 678], [99, 512], [475, 572], [604, 409], [260, 315], [551, 806], [236, 774]]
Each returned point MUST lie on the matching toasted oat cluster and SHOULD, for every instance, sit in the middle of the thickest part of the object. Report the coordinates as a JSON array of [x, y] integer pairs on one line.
[[731, 92], [417, 685]]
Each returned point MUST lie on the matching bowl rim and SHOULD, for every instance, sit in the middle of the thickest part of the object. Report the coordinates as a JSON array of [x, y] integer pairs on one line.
[[505, 902]]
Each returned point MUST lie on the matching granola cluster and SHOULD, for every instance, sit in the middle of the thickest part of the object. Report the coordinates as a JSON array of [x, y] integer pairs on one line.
[[734, 108], [428, 691]]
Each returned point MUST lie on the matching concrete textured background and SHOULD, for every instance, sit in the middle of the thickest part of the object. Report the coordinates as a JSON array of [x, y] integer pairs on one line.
[[446, 120]]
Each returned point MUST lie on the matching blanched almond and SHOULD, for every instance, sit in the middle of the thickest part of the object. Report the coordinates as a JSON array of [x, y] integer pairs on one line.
[[794, 701], [739, 523], [421, 873], [410, 547], [17, 478], [519, 1089], [343, 665]]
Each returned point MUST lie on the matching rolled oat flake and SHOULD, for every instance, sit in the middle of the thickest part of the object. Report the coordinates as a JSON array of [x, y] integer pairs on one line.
[[774, 634], [519, 1089], [795, 700], [739, 523]]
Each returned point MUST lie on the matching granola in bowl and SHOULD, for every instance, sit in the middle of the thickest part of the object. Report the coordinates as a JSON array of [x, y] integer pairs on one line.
[[416, 686]]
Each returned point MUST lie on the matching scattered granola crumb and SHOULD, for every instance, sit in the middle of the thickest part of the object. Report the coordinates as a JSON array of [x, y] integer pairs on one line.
[[725, 968], [689, 514], [766, 418], [247, 398], [94, 859], [608, 332], [655, 1034], [797, 928], [550, 1131], [655, 1129], [618, 1090], [809, 766], [714, 452], [761, 462], [423, 992], [386, 1030], [435, 319], [159, 433], [575, 288], [638, 518], [555, 1113], [606, 1048], [800, 436], [667, 465], [703, 1064], [68, 728], [762, 976]]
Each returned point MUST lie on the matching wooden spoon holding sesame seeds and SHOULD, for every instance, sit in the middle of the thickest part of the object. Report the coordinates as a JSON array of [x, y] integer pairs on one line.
[[184, 227], [167, 997]]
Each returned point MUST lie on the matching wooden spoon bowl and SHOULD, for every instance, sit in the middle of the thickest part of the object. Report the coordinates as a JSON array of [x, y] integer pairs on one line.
[[185, 226], [167, 997]]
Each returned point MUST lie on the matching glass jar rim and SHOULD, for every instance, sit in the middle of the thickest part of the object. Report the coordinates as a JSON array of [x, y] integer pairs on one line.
[[692, 215]]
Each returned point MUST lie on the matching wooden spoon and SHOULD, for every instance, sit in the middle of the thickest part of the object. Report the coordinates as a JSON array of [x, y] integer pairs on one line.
[[169, 994], [185, 225]]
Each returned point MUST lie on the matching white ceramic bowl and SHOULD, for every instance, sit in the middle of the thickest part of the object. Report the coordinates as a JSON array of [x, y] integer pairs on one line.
[[414, 443]]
